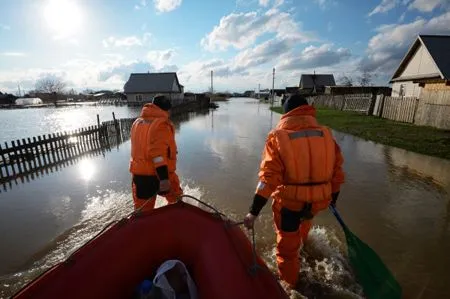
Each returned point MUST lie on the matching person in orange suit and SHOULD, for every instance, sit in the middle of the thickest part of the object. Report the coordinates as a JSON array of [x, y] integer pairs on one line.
[[301, 170], [154, 156]]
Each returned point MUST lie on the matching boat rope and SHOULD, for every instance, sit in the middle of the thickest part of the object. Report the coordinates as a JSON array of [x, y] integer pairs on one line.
[[255, 265], [203, 203]]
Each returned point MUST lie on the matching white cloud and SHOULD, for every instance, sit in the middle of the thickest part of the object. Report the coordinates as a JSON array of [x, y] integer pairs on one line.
[[166, 5], [263, 53], [384, 6], [240, 30], [161, 58], [18, 54], [5, 27], [254, 65], [389, 45], [420, 5], [428, 5], [264, 2], [314, 57], [127, 42]]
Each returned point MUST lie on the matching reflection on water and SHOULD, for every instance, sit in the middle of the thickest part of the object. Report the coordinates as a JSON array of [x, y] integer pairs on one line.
[[86, 168], [394, 200]]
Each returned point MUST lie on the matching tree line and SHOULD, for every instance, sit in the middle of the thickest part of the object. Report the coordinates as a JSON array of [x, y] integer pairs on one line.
[[364, 80]]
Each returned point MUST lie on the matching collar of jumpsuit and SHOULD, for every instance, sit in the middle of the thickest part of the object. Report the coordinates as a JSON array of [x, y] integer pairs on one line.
[[301, 117], [151, 110]]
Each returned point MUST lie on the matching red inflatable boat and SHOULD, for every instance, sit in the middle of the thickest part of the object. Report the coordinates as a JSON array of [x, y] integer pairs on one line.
[[217, 254]]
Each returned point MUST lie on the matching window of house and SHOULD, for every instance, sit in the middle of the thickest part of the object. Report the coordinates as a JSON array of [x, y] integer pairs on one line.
[[401, 91], [139, 97]]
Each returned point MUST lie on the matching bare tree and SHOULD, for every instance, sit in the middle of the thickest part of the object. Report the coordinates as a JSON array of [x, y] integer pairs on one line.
[[50, 84], [345, 80], [365, 79]]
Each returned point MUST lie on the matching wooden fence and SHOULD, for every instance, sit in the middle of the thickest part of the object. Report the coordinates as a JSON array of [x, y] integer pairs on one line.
[[401, 109], [27, 157], [349, 102], [431, 109], [434, 109]]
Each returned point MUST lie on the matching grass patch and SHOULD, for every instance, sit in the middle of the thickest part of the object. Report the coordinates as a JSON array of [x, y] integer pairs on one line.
[[424, 140]]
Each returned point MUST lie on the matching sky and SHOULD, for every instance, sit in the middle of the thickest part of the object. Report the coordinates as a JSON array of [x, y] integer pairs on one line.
[[96, 44]]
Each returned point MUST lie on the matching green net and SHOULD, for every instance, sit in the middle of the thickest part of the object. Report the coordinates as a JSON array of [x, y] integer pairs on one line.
[[375, 278]]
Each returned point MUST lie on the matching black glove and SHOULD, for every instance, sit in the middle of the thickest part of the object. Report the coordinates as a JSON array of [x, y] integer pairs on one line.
[[334, 198]]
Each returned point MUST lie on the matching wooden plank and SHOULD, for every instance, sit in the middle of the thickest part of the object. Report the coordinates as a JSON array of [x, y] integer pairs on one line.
[[59, 150], [4, 163], [83, 137], [87, 139], [68, 144], [78, 138], [386, 108], [411, 111], [11, 163], [55, 147], [22, 153], [43, 150], [391, 109], [93, 137], [16, 157], [62, 143], [52, 148], [72, 143], [405, 110], [25, 155], [61, 146], [401, 109], [38, 153], [31, 155]]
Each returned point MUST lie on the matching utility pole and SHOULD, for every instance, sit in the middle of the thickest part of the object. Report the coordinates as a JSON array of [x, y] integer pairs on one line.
[[273, 86], [212, 86], [259, 91]]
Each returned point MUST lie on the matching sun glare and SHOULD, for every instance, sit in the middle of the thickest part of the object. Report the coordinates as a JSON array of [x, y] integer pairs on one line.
[[64, 17], [86, 169]]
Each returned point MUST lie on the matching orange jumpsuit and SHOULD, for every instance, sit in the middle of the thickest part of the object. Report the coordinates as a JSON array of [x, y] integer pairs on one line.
[[153, 147], [301, 166]]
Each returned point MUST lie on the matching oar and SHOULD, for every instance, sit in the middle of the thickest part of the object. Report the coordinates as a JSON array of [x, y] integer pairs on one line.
[[371, 273]]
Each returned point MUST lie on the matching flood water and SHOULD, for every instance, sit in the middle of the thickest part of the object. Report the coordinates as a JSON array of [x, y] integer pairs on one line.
[[398, 202]]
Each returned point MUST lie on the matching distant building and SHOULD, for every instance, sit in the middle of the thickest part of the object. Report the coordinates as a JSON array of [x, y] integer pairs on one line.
[[142, 87], [425, 65], [249, 94], [28, 101], [315, 83]]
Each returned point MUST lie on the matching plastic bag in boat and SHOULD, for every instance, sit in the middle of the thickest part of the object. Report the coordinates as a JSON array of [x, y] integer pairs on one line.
[[174, 281]]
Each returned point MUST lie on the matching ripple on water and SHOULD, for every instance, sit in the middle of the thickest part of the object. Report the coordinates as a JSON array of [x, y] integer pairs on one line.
[[325, 270]]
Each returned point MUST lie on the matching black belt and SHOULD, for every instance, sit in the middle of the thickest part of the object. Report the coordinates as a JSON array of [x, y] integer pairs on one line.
[[306, 184]]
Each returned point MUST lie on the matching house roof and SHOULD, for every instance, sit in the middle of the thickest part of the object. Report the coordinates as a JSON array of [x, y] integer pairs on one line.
[[311, 80], [151, 83], [439, 48]]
